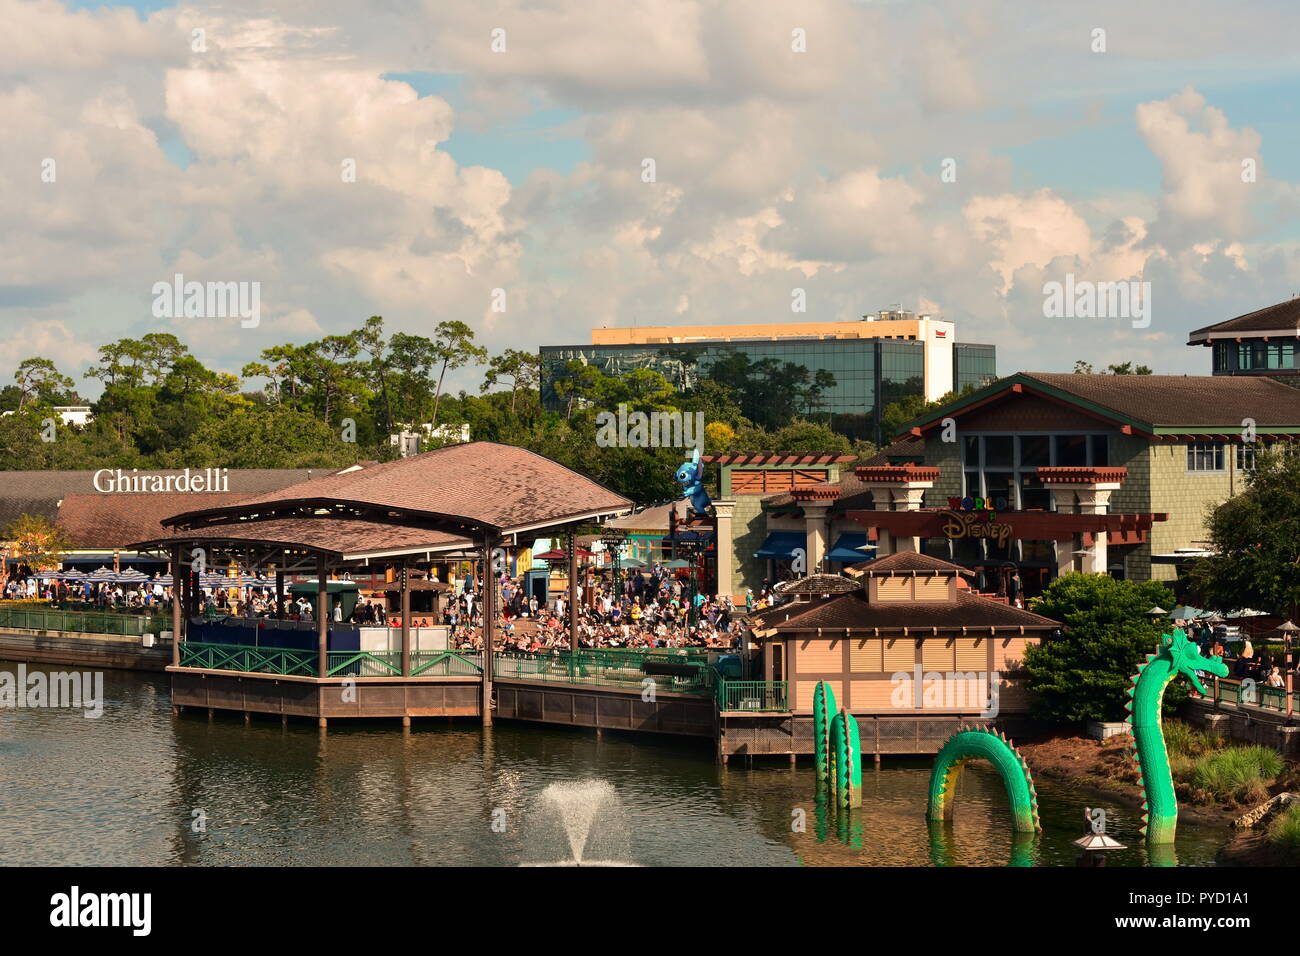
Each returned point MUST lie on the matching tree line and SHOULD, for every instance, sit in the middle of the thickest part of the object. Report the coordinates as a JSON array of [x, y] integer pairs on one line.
[[336, 401]]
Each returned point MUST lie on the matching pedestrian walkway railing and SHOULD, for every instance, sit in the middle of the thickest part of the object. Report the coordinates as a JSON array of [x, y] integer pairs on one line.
[[90, 622], [667, 669], [446, 664], [305, 663], [1256, 695], [249, 660], [755, 696]]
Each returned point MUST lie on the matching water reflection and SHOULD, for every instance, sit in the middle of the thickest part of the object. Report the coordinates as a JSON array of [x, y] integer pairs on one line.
[[139, 786]]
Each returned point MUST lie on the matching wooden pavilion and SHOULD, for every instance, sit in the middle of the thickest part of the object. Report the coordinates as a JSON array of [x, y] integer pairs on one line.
[[478, 496]]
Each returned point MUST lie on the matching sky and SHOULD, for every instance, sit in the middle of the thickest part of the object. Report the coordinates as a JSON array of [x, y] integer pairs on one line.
[[947, 157]]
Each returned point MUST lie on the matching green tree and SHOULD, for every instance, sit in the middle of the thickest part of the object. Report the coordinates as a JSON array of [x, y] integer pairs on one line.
[[1084, 673], [1256, 539], [1085, 368], [40, 382], [454, 348], [521, 369], [264, 438], [37, 541]]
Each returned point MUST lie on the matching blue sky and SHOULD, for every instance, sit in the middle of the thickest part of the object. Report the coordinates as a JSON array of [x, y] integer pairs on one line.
[[775, 171]]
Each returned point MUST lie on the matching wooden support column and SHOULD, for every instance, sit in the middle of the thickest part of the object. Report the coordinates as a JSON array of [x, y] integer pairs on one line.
[[176, 606], [489, 611], [322, 619], [573, 588], [279, 594], [405, 572]]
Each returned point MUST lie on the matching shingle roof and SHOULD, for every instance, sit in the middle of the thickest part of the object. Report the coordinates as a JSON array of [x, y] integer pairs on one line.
[[108, 521], [905, 562], [1283, 315], [481, 483], [39, 492], [1188, 400], [1164, 404], [342, 536], [855, 612], [818, 584]]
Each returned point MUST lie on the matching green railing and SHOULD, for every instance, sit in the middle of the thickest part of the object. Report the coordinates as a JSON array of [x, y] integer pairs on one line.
[[607, 668], [446, 664], [278, 660], [364, 663], [1261, 695], [249, 660], [756, 696], [91, 622]]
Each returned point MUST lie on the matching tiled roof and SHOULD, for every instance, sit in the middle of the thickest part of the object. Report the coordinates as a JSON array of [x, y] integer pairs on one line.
[[853, 611], [818, 584], [905, 562], [342, 536], [1189, 400], [1283, 315], [653, 518], [1164, 404], [109, 521], [480, 483], [39, 492]]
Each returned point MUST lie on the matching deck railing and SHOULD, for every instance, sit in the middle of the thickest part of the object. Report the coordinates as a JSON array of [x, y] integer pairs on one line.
[[304, 663], [90, 622], [608, 668], [249, 660], [755, 696], [1260, 695]]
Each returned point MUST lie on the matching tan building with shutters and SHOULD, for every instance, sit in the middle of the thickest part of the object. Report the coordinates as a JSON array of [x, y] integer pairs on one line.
[[903, 641]]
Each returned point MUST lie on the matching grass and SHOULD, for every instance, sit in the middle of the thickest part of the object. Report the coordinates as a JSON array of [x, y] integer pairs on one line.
[[1284, 832], [1184, 740], [1239, 773]]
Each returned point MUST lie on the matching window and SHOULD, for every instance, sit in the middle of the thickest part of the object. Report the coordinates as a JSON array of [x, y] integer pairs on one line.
[[1204, 456], [1071, 451], [1246, 454]]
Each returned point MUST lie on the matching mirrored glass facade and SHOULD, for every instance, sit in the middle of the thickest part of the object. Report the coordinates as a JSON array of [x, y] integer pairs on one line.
[[868, 374]]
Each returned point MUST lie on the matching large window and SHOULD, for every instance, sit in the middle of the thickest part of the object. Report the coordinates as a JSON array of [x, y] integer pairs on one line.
[[1204, 456], [1006, 466], [1262, 356]]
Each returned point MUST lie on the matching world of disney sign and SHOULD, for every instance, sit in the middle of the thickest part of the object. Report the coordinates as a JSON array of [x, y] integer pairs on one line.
[[973, 518]]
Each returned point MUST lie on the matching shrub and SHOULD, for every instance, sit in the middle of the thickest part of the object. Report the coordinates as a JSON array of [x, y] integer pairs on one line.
[[1233, 771], [1284, 831]]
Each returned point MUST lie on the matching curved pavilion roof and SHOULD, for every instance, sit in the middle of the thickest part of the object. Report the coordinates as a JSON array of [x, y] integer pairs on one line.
[[440, 500]]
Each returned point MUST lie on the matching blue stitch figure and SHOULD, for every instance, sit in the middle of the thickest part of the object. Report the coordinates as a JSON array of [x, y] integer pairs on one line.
[[691, 477]]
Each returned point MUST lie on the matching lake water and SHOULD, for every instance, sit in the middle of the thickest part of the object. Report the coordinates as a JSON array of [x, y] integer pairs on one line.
[[127, 789]]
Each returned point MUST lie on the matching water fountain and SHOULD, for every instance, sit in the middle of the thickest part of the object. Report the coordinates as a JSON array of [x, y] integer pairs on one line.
[[578, 823]]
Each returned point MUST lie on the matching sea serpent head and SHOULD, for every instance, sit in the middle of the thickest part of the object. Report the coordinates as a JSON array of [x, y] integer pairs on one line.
[[1187, 658]]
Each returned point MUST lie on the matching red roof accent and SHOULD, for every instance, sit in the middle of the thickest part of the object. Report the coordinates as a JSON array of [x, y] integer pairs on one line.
[[896, 473], [779, 458], [816, 493], [1081, 475]]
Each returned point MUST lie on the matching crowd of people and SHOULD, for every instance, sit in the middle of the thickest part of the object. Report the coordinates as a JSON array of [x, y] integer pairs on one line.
[[644, 610]]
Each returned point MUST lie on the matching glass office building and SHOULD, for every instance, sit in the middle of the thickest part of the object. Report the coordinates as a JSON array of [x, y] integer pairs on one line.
[[868, 373]]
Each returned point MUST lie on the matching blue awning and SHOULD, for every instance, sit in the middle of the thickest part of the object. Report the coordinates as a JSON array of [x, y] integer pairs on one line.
[[780, 545], [847, 548]]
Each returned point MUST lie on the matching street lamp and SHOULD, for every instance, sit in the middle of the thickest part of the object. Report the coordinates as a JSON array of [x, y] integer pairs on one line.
[[613, 542]]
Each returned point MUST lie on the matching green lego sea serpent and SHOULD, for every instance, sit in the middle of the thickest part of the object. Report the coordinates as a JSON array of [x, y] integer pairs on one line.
[[836, 748], [1176, 655], [975, 743]]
